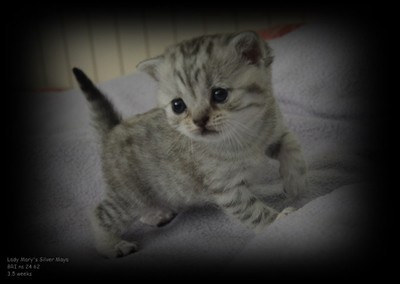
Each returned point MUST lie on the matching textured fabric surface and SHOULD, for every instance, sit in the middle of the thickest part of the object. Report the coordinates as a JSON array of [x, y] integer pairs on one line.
[[318, 77]]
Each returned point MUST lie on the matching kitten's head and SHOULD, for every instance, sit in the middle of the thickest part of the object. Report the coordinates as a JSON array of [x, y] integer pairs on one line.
[[214, 87]]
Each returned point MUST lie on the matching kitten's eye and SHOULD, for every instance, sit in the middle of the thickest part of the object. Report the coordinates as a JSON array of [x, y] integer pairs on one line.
[[178, 106], [219, 95]]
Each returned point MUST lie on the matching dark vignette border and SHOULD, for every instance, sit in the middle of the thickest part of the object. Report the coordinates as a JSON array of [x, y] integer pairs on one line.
[[377, 247]]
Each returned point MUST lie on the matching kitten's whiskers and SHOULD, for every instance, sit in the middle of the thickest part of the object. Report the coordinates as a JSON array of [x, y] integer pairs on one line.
[[232, 138], [243, 128]]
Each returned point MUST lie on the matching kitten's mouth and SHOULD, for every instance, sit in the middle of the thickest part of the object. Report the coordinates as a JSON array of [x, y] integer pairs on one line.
[[206, 131]]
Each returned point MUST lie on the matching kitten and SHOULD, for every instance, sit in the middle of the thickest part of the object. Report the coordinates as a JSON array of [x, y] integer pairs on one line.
[[216, 126]]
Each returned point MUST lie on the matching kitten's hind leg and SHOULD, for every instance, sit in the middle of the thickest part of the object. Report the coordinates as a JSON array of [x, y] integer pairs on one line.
[[157, 217], [108, 223]]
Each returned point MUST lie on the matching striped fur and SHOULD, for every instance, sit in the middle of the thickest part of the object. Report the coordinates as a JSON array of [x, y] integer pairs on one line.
[[208, 151]]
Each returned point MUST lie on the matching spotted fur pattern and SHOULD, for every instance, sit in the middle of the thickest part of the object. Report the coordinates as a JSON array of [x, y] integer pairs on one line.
[[209, 150]]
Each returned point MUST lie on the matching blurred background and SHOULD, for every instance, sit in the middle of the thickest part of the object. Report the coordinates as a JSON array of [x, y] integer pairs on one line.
[[109, 45]]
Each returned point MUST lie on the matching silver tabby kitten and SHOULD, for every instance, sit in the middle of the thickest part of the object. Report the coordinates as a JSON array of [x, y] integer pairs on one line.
[[207, 142]]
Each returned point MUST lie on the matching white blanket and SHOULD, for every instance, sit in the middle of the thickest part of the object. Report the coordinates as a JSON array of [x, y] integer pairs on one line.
[[317, 75]]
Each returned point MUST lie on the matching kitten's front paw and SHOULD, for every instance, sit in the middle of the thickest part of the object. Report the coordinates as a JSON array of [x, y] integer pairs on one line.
[[157, 218], [122, 248], [295, 186], [285, 212]]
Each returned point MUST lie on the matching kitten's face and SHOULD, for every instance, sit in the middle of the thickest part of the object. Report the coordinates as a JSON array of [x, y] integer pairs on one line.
[[215, 88]]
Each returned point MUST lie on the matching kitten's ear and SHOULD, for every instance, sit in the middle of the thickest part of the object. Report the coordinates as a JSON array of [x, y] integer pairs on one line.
[[252, 48], [150, 66]]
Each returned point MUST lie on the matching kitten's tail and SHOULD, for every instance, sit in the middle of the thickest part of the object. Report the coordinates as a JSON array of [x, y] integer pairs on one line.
[[104, 115]]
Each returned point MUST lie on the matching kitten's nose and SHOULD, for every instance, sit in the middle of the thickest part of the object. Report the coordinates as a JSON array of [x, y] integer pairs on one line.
[[201, 122]]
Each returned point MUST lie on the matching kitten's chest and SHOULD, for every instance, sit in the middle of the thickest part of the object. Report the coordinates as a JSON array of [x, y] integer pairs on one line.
[[220, 174]]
